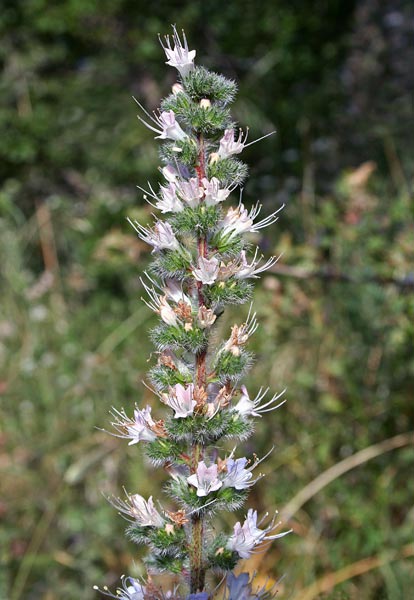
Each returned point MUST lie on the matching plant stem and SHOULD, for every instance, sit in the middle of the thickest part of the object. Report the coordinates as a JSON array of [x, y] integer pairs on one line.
[[197, 570]]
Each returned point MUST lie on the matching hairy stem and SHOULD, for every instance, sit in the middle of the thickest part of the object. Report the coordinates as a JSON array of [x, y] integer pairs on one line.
[[197, 569]]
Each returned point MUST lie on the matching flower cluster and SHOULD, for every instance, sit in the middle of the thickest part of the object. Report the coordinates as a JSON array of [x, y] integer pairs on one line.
[[200, 265]]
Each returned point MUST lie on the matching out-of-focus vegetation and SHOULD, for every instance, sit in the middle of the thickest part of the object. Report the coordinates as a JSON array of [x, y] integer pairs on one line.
[[337, 316]]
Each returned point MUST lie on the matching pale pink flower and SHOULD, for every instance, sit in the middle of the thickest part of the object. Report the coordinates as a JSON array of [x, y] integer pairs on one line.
[[179, 56], [158, 303], [181, 400], [138, 429], [167, 314], [165, 125], [190, 192], [169, 201], [143, 512], [230, 146], [240, 220], [207, 270], [246, 270], [161, 237], [245, 537], [247, 407], [205, 479], [213, 194]]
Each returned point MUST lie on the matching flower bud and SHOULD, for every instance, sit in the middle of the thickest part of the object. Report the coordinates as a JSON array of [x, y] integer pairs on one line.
[[177, 88], [205, 103], [213, 158]]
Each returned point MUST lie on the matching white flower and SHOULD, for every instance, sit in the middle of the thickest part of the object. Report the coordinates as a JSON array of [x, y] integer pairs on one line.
[[239, 220], [165, 125], [230, 146], [167, 314], [246, 270], [138, 429], [159, 304], [142, 512], [205, 479], [207, 270], [170, 173], [169, 201], [246, 407], [181, 400], [179, 56], [212, 193], [161, 237], [174, 291], [245, 537], [190, 192]]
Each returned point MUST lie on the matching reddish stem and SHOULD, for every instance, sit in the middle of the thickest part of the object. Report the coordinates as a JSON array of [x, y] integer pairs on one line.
[[197, 569]]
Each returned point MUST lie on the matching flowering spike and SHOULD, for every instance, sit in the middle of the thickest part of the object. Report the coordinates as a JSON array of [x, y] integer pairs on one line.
[[200, 265]]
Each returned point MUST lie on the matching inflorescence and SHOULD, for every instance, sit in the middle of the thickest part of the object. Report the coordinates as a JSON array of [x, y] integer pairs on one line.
[[200, 265]]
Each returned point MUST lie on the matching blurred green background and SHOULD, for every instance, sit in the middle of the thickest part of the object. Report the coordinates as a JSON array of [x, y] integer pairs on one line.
[[335, 80]]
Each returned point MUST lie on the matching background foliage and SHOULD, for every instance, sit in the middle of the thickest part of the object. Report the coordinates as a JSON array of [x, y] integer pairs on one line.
[[336, 317]]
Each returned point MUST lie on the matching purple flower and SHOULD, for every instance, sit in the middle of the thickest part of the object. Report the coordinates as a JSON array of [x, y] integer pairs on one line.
[[136, 430], [205, 479], [239, 587], [179, 56], [237, 476], [198, 596], [207, 270], [245, 537], [181, 400], [131, 589], [246, 407]]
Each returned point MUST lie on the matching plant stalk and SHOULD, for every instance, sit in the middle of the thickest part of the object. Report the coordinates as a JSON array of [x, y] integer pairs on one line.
[[197, 569]]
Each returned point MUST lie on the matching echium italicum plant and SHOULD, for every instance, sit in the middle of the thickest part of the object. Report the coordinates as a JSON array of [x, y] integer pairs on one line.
[[200, 265]]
